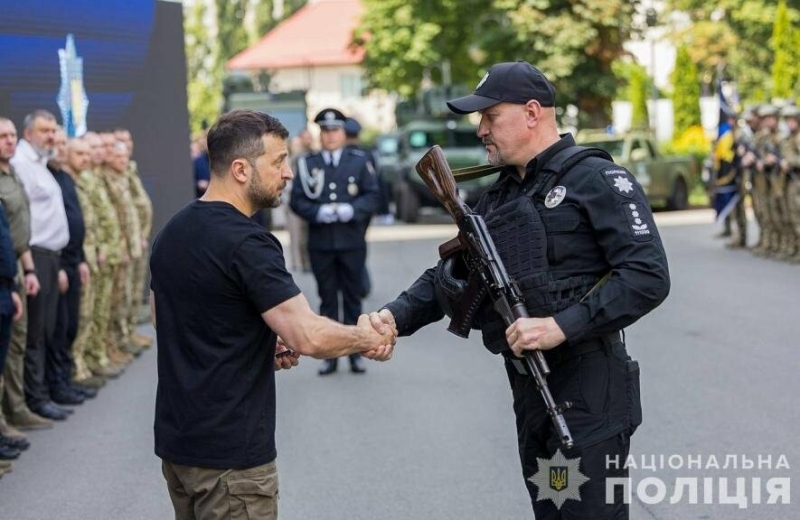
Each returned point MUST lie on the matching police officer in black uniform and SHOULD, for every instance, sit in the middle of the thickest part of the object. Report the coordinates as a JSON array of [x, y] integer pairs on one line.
[[575, 231], [337, 193]]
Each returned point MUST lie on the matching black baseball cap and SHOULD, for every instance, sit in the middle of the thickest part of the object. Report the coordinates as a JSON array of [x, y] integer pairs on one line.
[[330, 118], [512, 82]]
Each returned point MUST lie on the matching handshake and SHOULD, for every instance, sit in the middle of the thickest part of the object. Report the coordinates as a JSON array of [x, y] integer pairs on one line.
[[382, 327], [373, 337], [335, 212]]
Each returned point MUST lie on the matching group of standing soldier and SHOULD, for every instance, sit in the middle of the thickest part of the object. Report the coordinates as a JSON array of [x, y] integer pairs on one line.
[[764, 163], [79, 218]]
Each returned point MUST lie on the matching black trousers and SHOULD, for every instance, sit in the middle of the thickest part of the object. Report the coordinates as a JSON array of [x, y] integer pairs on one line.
[[6, 320], [42, 310], [604, 413], [59, 361], [339, 273]]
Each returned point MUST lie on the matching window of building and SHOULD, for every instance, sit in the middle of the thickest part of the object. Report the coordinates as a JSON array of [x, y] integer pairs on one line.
[[352, 85]]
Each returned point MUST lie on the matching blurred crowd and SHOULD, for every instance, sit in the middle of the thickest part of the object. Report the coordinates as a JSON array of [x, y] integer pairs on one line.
[[761, 160], [73, 244]]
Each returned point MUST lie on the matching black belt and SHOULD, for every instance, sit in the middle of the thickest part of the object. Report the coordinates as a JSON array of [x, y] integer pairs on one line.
[[43, 251], [567, 351]]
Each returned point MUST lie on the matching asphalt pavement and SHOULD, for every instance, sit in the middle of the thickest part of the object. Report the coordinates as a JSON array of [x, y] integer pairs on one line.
[[430, 434]]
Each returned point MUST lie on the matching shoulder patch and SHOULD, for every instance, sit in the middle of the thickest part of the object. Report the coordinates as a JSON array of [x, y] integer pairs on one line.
[[619, 180], [357, 152], [639, 221]]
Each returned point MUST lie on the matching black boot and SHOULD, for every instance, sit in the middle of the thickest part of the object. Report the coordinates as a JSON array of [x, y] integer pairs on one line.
[[328, 367], [357, 364]]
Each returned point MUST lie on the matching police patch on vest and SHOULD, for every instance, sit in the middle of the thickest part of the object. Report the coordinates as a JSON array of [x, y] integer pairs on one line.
[[555, 196], [640, 229], [620, 180]]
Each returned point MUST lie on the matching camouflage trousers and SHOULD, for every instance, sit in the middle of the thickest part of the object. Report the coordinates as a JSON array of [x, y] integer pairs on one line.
[[761, 208], [95, 355], [12, 389], [739, 214], [85, 329], [784, 230], [793, 208], [119, 334], [138, 275]]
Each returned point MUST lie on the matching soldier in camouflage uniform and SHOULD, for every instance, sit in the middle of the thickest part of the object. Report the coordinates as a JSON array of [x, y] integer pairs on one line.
[[82, 179], [770, 158], [139, 270], [767, 143], [119, 190], [745, 150], [109, 255], [790, 164]]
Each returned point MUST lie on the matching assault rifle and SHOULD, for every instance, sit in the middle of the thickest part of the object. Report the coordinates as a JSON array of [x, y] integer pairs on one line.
[[486, 264]]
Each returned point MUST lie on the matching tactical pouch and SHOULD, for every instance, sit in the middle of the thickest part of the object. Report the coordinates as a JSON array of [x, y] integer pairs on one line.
[[450, 283], [634, 395]]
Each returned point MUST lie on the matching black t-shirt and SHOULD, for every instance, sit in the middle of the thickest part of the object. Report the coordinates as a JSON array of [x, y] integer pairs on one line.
[[214, 272]]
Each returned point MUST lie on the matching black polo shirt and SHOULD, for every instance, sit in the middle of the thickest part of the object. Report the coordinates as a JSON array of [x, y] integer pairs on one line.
[[214, 272]]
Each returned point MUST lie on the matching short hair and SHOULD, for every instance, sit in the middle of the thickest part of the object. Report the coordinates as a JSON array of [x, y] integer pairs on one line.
[[27, 123], [238, 134]]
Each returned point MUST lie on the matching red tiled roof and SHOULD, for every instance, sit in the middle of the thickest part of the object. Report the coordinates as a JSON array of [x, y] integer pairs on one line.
[[318, 34]]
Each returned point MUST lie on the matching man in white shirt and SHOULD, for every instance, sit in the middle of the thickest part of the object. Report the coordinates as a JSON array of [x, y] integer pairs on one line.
[[49, 234]]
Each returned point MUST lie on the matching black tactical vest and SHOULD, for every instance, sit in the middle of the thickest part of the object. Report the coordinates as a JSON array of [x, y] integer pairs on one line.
[[520, 236]]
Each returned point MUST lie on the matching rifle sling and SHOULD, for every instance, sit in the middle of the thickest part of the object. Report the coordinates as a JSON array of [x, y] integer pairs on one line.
[[474, 172]]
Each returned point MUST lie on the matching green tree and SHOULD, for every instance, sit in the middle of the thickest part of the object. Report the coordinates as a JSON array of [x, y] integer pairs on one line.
[[202, 68], [574, 42], [263, 11], [745, 27], [686, 93], [231, 35], [639, 92], [786, 55], [635, 87]]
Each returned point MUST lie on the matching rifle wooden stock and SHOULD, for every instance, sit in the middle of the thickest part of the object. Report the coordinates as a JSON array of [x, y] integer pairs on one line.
[[434, 170]]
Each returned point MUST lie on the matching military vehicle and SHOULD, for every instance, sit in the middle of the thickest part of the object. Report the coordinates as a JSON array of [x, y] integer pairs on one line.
[[666, 180], [400, 151]]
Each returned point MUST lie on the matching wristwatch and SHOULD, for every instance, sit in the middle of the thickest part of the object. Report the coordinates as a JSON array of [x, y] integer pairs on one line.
[[29, 271]]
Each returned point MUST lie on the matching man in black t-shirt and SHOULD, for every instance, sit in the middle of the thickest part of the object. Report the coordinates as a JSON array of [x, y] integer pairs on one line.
[[217, 325]]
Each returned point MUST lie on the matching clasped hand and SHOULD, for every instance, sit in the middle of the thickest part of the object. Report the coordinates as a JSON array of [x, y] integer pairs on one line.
[[329, 213], [284, 357], [534, 334], [383, 323]]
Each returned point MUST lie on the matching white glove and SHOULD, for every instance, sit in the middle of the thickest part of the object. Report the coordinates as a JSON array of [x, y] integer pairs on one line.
[[345, 212], [326, 214]]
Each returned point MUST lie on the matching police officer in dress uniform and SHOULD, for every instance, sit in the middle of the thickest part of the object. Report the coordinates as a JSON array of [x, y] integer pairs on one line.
[[575, 231], [336, 191]]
